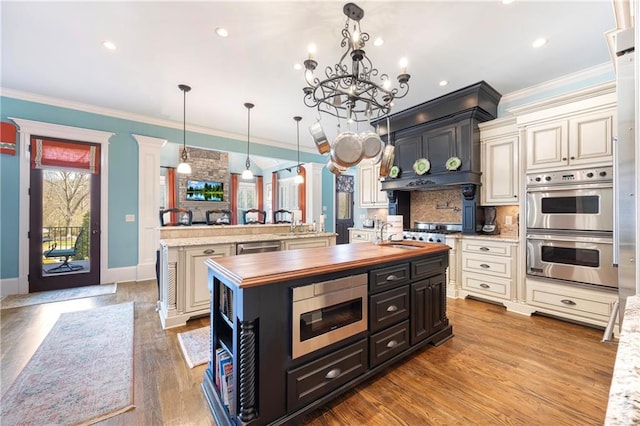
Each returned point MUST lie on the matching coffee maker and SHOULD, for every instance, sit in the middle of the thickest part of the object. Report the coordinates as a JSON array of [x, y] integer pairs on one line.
[[490, 226]]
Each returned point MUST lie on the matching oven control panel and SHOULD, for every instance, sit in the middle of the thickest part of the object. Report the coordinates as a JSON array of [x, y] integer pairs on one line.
[[600, 174]]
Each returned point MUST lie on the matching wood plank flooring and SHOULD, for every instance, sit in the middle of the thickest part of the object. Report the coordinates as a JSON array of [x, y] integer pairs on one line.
[[499, 368]]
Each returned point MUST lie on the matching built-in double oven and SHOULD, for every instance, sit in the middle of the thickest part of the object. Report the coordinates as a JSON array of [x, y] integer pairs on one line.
[[569, 218]]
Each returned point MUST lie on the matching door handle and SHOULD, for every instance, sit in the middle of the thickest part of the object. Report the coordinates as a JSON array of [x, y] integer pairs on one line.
[[333, 373], [392, 308]]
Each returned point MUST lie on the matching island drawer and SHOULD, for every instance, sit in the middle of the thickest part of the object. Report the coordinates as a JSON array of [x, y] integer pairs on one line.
[[386, 278], [388, 308], [428, 267], [388, 343], [309, 382]]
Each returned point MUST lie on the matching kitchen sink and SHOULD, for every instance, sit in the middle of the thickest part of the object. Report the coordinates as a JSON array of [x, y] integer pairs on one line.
[[402, 246]]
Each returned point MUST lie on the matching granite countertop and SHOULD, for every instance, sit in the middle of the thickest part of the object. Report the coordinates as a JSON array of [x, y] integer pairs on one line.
[[624, 394], [233, 239], [250, 270], [508, 239]]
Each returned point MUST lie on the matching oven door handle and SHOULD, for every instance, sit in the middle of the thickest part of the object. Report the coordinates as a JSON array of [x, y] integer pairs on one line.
[[585, 187], [569, 239]]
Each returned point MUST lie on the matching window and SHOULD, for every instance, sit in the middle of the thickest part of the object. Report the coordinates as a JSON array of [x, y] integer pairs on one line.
[[247, 198], [288, 194]]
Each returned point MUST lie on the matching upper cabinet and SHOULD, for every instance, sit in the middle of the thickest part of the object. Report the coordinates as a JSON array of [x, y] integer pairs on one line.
[[570, 132], [500, 162], [582, 140], [371, 193]]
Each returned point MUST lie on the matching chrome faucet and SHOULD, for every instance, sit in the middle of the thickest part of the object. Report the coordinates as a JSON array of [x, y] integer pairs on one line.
[[382, 227]]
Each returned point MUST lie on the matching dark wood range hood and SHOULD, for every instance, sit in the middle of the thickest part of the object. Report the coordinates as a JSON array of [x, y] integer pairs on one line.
[[438, 130]]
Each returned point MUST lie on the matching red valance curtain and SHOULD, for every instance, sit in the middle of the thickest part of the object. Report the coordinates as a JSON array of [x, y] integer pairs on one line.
[[302, 195], [234, 198], [260, 192], [65, 154]]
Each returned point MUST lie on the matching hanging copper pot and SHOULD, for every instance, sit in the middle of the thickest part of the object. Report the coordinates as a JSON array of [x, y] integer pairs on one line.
[[319, 138]]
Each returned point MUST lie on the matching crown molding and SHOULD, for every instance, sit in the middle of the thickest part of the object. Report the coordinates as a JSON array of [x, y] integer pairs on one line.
[[560, 82], [124, 115]]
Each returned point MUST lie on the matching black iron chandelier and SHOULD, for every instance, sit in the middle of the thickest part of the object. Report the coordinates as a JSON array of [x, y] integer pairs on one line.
[[348, 91]]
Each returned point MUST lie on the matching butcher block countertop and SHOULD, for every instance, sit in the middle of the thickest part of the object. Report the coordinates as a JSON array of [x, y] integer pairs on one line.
[[252, 270]]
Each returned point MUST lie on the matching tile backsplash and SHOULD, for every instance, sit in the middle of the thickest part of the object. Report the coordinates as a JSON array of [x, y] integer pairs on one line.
[[437, 206]]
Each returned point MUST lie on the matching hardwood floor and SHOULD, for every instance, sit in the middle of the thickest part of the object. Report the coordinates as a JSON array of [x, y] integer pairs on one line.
[[499, 368]]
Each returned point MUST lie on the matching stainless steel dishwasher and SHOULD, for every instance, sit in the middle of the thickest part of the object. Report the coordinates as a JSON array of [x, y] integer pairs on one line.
[[257, 247]]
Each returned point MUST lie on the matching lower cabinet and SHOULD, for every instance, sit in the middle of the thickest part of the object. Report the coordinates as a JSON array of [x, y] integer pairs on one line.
[[317, 378], [196, 290], [428, 307], [303, 243]]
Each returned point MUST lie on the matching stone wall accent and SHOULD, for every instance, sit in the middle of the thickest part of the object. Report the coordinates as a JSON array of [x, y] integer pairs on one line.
[[205, 165]]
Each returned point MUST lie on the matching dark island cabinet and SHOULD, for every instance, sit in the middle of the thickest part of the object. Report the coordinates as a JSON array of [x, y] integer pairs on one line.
[[252, 378]]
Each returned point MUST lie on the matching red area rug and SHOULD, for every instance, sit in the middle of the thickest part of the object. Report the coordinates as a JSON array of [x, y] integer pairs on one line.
[[81, 373]]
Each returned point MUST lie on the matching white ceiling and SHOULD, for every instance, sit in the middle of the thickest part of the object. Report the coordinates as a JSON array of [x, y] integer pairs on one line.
[[55, 49]]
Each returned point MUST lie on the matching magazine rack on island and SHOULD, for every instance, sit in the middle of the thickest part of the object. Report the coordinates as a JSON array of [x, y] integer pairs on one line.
[[260, 374]]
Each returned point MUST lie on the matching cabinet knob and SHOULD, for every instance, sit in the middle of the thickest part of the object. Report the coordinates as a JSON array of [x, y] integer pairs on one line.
[[568, 302], [209, 251], [392, 278], [392, 343], [573, 158], [564, 158], [332, 374], [485, 266], [483, 285], [392, 308]]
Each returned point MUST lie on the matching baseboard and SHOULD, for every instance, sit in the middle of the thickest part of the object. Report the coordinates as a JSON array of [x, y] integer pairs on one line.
[[9, 286]]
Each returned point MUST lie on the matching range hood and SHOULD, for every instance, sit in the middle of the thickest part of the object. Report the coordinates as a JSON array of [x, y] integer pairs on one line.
[[438, 131]]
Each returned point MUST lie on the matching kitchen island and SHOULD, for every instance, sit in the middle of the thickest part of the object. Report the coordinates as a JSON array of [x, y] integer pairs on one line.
[[292, 330]]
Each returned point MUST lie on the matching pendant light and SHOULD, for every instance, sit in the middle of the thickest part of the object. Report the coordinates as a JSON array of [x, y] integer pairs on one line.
[[247, 173], [184, 167], [298, 179]]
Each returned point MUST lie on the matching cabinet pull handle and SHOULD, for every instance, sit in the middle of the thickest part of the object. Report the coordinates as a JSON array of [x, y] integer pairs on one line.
[[568, 302], [392, 278], [333, 373], [486, 248], [485, 266], [392, 308], [209, 251], [392, 344], [483, 285]]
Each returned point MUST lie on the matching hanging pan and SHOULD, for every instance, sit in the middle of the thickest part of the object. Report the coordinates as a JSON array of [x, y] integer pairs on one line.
[[388, 154], [346, 150], [319, 138]]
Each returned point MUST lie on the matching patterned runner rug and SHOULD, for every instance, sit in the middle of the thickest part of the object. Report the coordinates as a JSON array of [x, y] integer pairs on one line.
[[19, 300], [81, 373], [195, 345]]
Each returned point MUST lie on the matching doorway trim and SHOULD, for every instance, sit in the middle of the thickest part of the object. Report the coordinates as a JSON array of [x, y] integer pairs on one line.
[[28, 128]]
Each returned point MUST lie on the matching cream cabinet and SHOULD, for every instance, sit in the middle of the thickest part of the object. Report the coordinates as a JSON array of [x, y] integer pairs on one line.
[[453, 271], [308, 242], [196, 291], [489, 268], [589, 305], [581, 140], [370, 186], [361, 235], [500, 162]]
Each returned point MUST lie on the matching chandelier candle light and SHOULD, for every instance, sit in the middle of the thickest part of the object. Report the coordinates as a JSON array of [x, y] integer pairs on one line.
[[247, 173], [184, 167], [348, 90], [298, 179]]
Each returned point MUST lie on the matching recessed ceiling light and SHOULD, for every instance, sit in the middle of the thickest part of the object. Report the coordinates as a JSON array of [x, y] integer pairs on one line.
[[222, 32], [378, 41], [443, 83], [507, 1], [539, 42], [297, 67], [109, 45]]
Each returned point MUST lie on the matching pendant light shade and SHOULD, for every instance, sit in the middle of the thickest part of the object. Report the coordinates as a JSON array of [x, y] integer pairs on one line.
[[298, 179], [247, 173], [184, 167]]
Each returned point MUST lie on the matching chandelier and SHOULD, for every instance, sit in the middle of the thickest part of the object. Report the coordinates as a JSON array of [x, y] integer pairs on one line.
[[348, 90]]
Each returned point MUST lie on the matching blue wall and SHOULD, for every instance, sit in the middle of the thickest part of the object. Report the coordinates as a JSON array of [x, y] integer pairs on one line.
[[123, 173]]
